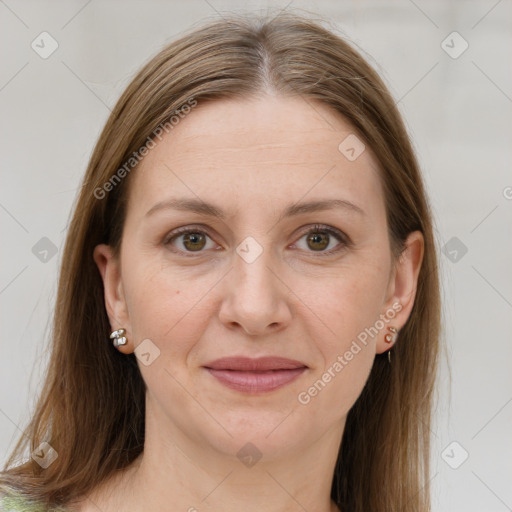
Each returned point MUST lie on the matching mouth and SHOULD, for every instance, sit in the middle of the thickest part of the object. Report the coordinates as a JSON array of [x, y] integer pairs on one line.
[[255, 376]]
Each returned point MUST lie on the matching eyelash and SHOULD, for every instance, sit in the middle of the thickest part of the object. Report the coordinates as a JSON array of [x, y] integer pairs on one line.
[[344, 240]]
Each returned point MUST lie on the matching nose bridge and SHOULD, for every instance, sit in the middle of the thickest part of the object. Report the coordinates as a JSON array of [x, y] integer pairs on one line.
[[253, 263], [255, 299]]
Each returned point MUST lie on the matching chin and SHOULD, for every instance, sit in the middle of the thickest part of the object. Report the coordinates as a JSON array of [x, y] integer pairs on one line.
[[268, 434]]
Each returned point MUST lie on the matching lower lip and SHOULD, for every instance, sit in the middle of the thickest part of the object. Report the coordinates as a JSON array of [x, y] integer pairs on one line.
[[256, 382]]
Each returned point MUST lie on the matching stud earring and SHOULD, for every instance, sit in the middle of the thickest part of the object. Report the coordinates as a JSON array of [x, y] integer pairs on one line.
[[118, 337], [389, 337]]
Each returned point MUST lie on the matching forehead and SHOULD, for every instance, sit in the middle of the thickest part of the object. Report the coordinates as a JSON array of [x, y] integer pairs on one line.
[[257, 152]]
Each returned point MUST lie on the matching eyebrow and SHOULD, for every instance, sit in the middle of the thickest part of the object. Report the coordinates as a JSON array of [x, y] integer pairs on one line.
[[204, 208]]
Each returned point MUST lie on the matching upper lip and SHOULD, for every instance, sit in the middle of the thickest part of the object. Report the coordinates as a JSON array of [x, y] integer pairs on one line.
[[248, 364]]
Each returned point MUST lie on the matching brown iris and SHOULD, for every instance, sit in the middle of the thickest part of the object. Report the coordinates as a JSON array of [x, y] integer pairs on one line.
[[194, 241], [321, 239]]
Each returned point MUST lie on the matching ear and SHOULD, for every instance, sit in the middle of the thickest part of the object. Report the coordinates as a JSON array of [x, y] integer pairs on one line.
[[403, 285], [115, 304]]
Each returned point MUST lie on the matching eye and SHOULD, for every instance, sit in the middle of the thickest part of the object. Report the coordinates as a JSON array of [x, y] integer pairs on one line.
[[318, 238], [192, 239]]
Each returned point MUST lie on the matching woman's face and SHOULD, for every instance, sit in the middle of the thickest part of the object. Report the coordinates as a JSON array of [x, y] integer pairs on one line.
[[264, 271]]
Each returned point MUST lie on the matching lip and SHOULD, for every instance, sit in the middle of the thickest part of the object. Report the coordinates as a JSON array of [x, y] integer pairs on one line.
[[260, 364], [254, 376]]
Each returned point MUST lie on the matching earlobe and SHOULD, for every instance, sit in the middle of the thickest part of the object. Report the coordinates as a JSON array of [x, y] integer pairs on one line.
[[404, 283], [109, 268]]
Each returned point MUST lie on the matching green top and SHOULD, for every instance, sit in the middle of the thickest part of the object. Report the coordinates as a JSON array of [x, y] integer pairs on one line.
[[14, 502]]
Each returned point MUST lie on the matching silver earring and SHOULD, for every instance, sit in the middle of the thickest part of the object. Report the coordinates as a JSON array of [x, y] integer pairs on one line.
[[118, 337]]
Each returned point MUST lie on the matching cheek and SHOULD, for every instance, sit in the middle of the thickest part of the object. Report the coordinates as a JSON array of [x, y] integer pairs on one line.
[[332, 392], [341, 329], [166, 306], [344, 304], [353, 309]]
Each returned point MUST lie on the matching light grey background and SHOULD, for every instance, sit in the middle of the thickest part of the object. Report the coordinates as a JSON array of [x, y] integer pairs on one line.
[[458, 112]]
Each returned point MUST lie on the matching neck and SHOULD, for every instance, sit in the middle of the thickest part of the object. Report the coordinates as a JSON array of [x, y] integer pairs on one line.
[[179, 472]]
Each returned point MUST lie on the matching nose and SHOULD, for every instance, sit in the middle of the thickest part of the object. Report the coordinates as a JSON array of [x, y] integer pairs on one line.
[[255, 300]]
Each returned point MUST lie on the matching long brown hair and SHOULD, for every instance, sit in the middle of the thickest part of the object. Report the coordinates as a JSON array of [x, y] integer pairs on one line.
[[92, 406]]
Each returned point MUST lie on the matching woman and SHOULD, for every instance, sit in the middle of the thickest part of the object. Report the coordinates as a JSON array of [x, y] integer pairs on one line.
[[251, 242]]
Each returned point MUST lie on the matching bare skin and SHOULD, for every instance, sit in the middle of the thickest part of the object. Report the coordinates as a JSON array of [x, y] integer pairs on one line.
[[198, 300]]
